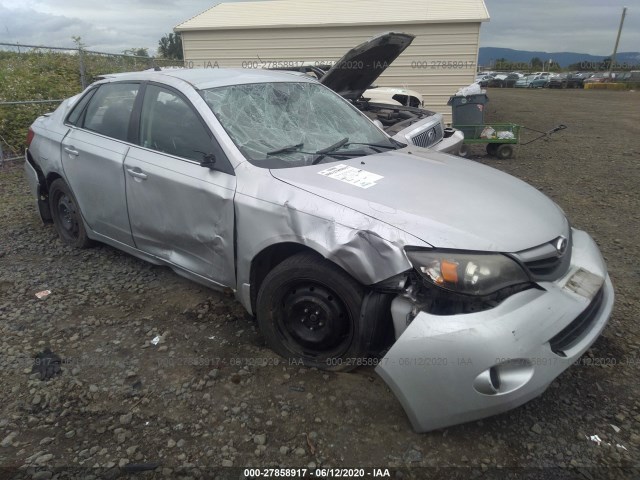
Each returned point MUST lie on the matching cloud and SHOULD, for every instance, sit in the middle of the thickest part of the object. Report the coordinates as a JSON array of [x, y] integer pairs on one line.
[[104, 26], [586, 26]]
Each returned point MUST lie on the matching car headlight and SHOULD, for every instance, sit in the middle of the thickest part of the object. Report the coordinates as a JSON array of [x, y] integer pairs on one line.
[[468, 273]]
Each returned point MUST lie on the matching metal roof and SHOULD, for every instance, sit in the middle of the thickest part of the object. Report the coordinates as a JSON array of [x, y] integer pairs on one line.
[[322, 13], [202, 78]]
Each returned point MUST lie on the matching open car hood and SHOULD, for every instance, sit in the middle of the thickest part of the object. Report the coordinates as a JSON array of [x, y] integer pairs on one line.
[[362, 65]]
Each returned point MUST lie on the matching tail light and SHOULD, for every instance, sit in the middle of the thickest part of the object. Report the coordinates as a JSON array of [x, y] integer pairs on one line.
[[30, 136]]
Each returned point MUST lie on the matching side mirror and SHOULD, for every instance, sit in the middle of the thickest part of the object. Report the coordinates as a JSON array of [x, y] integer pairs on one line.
[[208, 160]]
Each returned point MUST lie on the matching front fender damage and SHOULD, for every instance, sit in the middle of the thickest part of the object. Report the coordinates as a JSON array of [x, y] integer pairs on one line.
[[369, 250]]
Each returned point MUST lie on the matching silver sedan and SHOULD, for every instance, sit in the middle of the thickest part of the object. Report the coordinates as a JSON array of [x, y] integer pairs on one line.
[[465, 287]]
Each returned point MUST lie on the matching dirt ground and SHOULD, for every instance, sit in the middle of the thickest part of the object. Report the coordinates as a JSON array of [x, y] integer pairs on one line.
[[210, 394]]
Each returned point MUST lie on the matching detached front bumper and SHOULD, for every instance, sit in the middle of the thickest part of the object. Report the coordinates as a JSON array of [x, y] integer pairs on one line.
[[447, 370], [450, 144]]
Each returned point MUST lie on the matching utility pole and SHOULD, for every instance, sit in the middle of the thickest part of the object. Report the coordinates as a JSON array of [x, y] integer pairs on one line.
[[615, 49]]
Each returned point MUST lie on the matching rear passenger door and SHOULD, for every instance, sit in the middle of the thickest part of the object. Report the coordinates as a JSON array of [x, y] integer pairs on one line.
[[93, 153], [180, 211]]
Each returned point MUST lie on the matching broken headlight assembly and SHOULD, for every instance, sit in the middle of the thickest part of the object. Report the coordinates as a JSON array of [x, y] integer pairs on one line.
[[451, 282], [477, 274]]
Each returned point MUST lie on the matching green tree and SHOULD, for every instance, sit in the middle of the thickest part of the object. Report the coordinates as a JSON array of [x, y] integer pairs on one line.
[[170, 46], [536, 63]]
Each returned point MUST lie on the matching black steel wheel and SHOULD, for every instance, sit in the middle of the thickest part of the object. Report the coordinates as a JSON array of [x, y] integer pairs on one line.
[[66, 215], [308, 310]]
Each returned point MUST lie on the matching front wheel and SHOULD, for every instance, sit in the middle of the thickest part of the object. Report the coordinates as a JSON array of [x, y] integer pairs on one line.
[[309, 312], [66, 215]]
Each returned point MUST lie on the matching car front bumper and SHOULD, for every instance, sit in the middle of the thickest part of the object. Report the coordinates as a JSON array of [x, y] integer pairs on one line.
[[447, 370]]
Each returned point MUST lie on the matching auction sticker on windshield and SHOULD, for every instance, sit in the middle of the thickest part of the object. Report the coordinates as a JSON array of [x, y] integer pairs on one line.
[[352, 175]]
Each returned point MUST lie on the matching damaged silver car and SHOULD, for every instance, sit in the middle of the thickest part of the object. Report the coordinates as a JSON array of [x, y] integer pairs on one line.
[[466, 287]]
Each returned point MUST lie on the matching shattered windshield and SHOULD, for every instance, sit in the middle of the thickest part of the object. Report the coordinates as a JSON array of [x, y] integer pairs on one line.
[[281, 125]]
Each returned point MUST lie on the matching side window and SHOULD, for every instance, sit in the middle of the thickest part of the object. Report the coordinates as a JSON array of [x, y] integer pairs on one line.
[[74, 116], [109, 111], [169, 125]]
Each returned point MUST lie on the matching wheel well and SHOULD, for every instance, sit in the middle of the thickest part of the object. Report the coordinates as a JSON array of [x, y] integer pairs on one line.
[[266, 260], [52, 177], [44, 183]]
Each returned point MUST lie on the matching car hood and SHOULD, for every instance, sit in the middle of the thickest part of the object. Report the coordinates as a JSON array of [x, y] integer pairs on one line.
[[446, 201], [361, 66]]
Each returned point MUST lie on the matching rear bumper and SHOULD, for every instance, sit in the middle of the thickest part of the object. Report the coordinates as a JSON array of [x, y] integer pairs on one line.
[[42, 206], [447, 370]]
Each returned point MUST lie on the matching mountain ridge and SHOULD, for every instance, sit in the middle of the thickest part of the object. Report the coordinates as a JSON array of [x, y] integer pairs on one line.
[[487, 55]]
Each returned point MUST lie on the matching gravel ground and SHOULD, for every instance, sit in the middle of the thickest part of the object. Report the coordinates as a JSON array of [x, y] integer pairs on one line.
[[122, 401]]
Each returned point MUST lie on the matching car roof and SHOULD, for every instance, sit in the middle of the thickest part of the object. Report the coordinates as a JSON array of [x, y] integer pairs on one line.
[[202, 78]]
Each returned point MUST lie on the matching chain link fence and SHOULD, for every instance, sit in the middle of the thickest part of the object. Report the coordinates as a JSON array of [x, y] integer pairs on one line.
[[34, 79]]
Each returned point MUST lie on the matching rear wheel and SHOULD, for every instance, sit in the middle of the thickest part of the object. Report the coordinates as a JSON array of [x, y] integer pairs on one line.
[[309, 311], [66, 215], [464, 150], [503, 152]]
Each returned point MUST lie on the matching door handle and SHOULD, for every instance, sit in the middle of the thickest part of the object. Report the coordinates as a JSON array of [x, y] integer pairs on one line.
[[137, 173], [71, 151]]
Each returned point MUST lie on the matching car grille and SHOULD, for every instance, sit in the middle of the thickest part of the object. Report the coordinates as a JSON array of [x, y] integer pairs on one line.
[[572, 333], [545, 266], [545, 263], [428, 137]]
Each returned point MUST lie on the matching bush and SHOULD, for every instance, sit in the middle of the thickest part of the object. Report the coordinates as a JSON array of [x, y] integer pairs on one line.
[[47, 75]]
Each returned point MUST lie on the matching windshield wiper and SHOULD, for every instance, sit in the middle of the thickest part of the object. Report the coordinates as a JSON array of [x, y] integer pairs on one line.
[[373, 145], [322, 153], [289, 148], [335, 146]]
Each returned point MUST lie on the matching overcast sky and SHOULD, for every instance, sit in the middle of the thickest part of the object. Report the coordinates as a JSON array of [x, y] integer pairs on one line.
[[585, 26]]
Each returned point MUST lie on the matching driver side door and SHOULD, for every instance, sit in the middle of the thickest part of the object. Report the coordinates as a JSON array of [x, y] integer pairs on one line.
[[180, 211]]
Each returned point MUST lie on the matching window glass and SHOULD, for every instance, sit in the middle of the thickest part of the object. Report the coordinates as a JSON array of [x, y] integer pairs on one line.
[[281, 125], [79, 108], [168, 124], [109, 110]]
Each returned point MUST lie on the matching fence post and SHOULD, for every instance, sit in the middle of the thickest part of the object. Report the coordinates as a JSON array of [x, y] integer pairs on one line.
[[83, 77]]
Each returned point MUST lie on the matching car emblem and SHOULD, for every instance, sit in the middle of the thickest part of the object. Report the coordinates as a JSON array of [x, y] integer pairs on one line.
[[561, 245]]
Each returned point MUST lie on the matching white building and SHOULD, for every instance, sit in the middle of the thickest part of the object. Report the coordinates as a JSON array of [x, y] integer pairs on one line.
[[442, 58]]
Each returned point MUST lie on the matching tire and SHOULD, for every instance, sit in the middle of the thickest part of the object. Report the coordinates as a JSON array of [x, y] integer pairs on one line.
[[504, 151], [492, 149], [66, 215], [531, 85], [464, 151], [309, 312]]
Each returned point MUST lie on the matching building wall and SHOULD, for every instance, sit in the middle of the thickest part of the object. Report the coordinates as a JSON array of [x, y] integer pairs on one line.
[[440, 60]]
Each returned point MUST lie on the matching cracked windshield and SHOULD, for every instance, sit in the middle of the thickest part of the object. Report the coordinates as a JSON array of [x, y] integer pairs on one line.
[[281, 125]]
